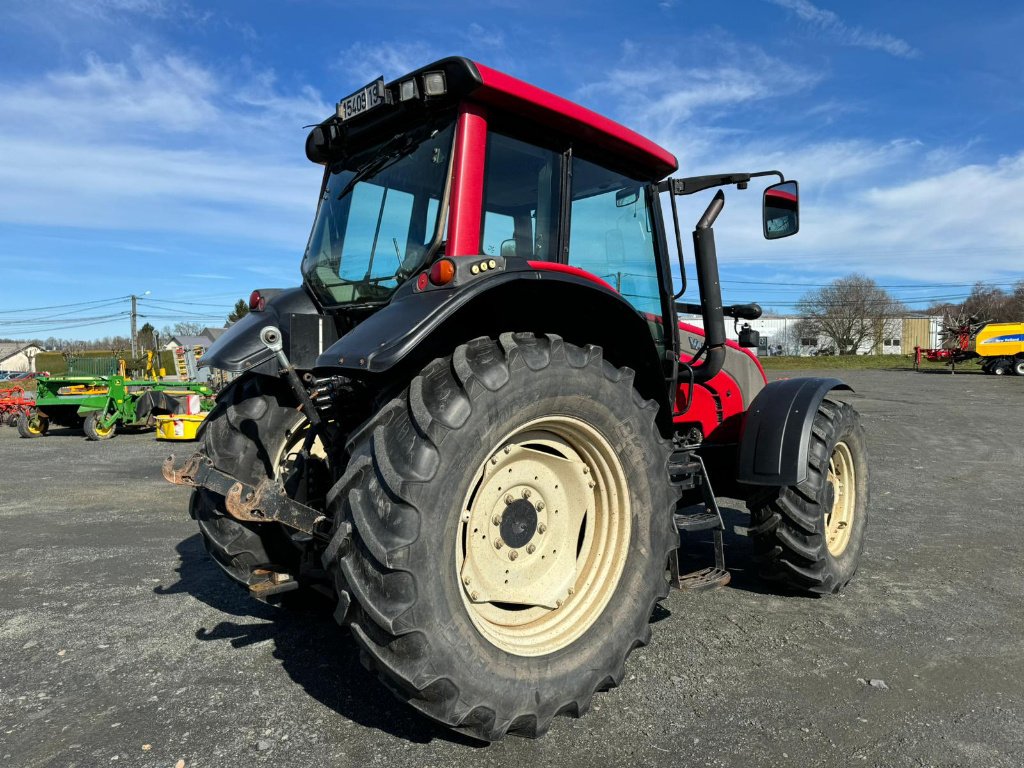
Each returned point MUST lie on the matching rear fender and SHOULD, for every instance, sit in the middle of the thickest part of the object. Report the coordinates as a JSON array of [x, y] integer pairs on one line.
[[773, 450], [239, 348], [418, 327]]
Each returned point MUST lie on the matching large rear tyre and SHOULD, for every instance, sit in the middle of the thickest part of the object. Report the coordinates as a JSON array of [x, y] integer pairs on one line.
[[32, 424], [94, 430], [810, 536], [1018, 367], [511, 517], [254, 432]]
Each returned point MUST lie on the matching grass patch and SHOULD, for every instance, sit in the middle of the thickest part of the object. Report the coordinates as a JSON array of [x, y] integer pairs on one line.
[[856, 362]]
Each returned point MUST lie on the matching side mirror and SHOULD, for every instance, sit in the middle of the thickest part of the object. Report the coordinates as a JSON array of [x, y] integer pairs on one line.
[[781, 210]]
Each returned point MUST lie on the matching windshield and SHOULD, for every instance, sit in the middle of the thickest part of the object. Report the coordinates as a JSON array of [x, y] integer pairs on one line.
[[378, 217]]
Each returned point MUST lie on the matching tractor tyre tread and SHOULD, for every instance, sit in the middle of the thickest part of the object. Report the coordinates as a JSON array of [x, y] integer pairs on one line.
[[380, 568], [788, 523]]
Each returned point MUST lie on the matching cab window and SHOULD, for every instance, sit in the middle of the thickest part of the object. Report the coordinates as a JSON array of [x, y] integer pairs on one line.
[[522, 189], [611, 236]]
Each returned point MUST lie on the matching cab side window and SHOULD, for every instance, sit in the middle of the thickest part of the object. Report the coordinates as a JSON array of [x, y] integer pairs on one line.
[[522, 189], [611, 236]]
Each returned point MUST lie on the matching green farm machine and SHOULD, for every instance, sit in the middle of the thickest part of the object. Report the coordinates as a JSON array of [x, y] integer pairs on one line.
[[101, 404]]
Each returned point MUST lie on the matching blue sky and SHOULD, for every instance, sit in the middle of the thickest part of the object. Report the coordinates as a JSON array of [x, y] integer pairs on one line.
[[157, 145]]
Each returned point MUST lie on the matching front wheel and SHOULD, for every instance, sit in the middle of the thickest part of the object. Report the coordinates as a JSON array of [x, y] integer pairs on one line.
[[810, 536], [511, 518], [32, 424]]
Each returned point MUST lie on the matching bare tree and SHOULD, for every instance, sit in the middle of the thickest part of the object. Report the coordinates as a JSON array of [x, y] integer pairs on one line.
[[853, 311]]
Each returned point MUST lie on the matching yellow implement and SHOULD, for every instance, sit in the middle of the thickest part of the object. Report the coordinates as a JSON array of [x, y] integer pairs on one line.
[[999, 340], [178, 426]]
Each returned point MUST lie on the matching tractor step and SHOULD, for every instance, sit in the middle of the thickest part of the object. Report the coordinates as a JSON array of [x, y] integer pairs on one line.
[[697, 521], [704, 579], [272, 585], [690, 472]]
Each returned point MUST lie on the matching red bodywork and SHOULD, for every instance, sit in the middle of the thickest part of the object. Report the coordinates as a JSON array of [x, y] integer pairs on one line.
[[717, 407]]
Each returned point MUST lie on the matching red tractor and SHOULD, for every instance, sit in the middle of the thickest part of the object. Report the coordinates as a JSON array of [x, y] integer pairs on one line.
[[478, 424]]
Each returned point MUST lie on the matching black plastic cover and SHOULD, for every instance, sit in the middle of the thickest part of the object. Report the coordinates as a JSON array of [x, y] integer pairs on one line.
[[239, 348], [775, 440]]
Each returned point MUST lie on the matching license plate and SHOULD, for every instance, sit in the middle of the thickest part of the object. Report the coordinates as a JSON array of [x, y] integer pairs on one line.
[[366, 98]]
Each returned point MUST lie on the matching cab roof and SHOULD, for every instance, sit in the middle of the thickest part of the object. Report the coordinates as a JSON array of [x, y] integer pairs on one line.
[[513, 95], [472, 81]]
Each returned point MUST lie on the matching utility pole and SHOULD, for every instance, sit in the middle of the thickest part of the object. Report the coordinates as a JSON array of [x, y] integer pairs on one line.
[[135, 313]]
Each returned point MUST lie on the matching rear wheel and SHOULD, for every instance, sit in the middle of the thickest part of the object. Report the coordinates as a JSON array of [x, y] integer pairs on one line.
[[1018, 367], [511, 521], [809, 536], [94, 429], [253, 433], [32, 424]]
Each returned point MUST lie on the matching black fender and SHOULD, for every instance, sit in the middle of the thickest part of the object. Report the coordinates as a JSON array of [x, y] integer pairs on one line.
[[417, 327], [239, 348], [773, 450]]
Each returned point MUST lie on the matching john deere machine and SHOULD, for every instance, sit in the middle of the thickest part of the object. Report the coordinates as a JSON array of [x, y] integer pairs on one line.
[[478, 425], [102, 404]]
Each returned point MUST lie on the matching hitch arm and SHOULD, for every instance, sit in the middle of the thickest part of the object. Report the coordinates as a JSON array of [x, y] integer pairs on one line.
[[267, 502]]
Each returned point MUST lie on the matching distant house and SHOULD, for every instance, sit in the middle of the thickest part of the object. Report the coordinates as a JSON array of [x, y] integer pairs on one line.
[[18, 356], [204, 339]]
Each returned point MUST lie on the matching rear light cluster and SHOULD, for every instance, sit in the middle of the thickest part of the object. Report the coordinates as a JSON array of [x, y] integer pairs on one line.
[[442, 272], [257, 302]]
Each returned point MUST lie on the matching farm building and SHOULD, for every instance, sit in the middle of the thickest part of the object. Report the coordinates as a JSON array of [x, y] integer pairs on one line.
[[18, 356], [781, 335]]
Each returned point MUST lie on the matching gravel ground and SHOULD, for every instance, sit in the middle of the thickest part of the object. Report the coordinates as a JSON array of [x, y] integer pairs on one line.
[[121, 643]]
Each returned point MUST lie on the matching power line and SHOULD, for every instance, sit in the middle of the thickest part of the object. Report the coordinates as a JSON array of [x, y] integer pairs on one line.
[[62, 306]]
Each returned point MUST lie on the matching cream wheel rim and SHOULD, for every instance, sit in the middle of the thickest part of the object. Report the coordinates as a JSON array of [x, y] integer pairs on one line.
[[543, 536], [839, 520]]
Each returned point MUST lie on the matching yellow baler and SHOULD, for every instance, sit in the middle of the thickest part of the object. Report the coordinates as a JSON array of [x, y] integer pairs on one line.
[[1000, 347]]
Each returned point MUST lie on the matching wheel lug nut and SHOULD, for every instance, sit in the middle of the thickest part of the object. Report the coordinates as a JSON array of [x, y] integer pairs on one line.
[[586, 470], [498, 543], [509, 498], [507, 449], [466, 580], [526, 493], [540, 506], [474, 595], [572, 590], [591, 484], [496, 520], [541, 528], [530, 549], [512, 555], [558, 603]]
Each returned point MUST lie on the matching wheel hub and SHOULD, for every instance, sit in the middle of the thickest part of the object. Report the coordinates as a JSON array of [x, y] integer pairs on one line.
[[518, 523]]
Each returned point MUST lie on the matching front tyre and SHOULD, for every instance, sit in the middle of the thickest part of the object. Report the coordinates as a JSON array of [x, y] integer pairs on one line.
[[810, 536], [511, 516], [254, 432]]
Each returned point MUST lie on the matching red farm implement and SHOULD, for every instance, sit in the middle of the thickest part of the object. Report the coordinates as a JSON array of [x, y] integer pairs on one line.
[[14, 402]]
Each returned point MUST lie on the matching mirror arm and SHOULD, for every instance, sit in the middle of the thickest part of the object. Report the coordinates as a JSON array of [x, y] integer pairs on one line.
[[679, 247], [691, 184]]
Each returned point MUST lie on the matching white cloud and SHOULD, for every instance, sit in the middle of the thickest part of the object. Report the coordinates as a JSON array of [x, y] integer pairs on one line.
[[836, 29], [158, 142]]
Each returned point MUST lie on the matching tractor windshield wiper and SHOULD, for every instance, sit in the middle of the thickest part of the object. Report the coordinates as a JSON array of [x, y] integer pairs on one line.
[[376, 165]]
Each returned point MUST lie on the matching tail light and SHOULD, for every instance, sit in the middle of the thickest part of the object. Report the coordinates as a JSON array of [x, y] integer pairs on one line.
[[257, 302]]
